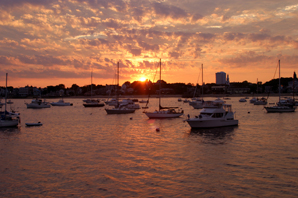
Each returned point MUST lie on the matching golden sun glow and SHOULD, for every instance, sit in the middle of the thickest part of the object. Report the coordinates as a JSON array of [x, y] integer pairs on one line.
[[142, 79]]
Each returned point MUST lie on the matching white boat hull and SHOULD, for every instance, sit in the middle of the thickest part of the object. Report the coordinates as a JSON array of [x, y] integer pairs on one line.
[[9, 123], [200, 123], [37, 106], [152, 115]]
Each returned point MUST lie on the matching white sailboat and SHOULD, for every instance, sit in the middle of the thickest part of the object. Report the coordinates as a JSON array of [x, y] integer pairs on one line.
[[198, 102], [278, 108], [164, 112], [91, 102], [8, 119], [119, 108]]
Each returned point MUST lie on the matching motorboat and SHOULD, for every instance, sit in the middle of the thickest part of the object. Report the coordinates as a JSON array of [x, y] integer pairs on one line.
[[242, 100], [61, 103], [186, 101], [122, 109], [9, 102], [164, 112], [38, 104], [261, 101], [253, 100], [214, 114]]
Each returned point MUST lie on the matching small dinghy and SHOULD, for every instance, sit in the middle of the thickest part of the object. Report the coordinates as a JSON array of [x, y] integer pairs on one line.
[[33, 124]]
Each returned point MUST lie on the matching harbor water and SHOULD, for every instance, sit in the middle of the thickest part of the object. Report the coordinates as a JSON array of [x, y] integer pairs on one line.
[[83, 152]]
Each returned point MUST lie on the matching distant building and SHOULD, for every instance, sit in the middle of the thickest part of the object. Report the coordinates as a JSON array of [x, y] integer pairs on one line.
[[220, 78]]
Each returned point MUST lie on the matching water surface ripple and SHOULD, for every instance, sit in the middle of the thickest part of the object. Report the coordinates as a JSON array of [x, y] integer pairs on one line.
[[83, 152]]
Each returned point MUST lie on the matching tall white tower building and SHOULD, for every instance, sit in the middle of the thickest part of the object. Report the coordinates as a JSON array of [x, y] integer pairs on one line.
[[220, 78]]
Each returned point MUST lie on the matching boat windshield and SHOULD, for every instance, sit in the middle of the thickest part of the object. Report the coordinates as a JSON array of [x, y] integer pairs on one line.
[[205, 114]]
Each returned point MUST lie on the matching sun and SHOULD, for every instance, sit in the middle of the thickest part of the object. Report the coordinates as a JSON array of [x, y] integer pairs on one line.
[[142, 79]]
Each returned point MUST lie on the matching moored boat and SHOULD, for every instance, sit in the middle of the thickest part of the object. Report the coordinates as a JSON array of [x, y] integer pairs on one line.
[[280, 107], [164, 112], [119, 108], [61, 103], [38, 104], [214, 114]]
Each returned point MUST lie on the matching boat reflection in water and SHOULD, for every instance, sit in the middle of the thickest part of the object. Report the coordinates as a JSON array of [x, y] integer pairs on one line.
[[214, 135]]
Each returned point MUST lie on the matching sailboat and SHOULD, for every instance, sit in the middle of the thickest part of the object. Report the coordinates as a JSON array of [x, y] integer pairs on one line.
[[164, 112], [279, 108], [91, 102], [119, 108], [8, 119], [198, 103]]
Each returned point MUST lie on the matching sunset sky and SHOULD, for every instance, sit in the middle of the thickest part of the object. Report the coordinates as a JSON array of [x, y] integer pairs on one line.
[[51, 42]]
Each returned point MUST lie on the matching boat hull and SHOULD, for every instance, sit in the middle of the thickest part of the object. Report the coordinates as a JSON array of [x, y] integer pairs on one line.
[[37, 106], [33, 124], [9, 123], [154, 115], [279, 109], [199, 123]]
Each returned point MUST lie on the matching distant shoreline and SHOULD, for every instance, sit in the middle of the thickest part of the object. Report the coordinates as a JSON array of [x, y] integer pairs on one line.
[[172, 96]]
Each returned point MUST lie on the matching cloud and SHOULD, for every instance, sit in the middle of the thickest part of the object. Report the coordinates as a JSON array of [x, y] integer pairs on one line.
[[165, 10]]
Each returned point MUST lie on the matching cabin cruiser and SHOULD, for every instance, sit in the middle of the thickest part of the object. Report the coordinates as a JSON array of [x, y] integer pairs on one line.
[[128, 103], [121, 109], [262, 101], [253, 100], [38, 104], [214, 114], [242, 100], [61, 103]]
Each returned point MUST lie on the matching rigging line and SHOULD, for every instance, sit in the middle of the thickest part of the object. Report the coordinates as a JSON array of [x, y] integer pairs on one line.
[[153, 82], [197, 84], [275, 70], [273, 77]]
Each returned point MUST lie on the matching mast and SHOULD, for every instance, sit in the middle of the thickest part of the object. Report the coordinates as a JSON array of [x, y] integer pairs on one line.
[[159, 83], [294, 77], [91, 84], [279, 81], [5, 95], [117, 94], [202, 84]]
